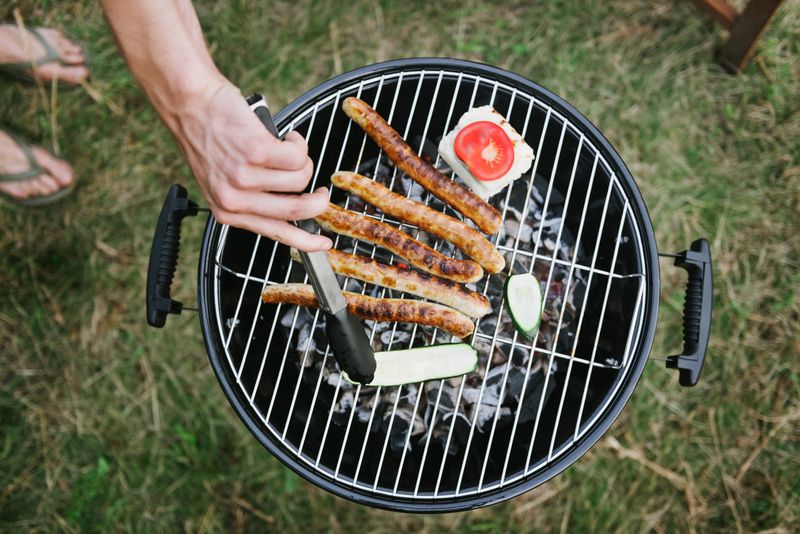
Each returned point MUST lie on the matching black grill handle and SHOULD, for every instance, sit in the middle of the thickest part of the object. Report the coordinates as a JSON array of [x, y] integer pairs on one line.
[[167, 240], [696, 312], [164, 255]]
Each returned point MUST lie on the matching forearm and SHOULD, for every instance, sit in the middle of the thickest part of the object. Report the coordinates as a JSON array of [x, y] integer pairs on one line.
[[164, 47], [249, 178]]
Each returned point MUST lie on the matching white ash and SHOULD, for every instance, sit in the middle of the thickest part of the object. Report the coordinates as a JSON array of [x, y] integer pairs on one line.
[[454, 415]]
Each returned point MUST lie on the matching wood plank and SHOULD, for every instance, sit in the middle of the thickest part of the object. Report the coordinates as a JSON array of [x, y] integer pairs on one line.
[[745, 33], [724, 13]]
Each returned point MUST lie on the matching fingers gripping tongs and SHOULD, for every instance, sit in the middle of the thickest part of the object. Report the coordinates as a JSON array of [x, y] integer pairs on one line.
[[346, 335]]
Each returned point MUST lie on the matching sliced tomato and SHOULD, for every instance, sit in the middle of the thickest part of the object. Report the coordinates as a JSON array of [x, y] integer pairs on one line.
[[485, 149]]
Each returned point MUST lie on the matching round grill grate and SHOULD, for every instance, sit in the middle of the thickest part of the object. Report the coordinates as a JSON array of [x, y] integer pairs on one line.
[[575, 220]]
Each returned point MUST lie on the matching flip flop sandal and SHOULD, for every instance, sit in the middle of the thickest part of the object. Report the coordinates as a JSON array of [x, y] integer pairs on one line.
[[34, 171], [23, 71]]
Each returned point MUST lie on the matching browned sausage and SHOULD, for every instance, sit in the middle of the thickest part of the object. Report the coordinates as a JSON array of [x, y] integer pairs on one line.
[[396, 241], [423, 285], [448, 191], [384, 310], [435, 222]]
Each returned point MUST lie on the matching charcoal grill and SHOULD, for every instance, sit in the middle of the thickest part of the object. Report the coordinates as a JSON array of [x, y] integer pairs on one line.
[[576, 220]]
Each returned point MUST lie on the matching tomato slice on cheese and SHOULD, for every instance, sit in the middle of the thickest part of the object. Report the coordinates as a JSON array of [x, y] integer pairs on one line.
[[485, 149]]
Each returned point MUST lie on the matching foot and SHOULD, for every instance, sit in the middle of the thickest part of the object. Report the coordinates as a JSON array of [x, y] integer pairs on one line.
[[20, 47], [56, 175]]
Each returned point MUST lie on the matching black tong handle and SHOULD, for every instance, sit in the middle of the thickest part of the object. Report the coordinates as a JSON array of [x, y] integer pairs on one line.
[[349, 343], [167, 241], [696, 312], [263, 114]]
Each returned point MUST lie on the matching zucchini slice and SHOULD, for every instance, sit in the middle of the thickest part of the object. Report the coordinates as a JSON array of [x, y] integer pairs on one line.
[[409, 366], [524, 301]]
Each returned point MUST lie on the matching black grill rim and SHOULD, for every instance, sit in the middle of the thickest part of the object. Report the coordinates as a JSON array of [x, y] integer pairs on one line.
[[639, 352]]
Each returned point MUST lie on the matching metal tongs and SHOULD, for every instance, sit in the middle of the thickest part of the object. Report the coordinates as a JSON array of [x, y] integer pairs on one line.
[[346, 335]]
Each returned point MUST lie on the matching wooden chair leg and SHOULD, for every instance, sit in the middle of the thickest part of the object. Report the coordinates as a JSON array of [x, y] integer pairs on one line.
[[720, 10], [745, 33]]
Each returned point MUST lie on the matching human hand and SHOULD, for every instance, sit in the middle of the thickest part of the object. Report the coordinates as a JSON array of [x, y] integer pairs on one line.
[[247, 175]]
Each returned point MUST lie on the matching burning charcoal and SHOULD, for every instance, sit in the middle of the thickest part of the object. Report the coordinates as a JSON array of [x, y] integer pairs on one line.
[[353, 285], [374, 291], [446, 401], [494, 379], [499, 356], [482, 345], [537, 197], [411, 189], [357, 204], [490, 398], [470, 394], [333, 379], [486, 415], [507, 328], [514, 382], [393, 338], [533, 395], [513, 213], [321, 340], [373, 168], [305, 342], [345, 400], [513, 229], [432, 418], [548, 242], [288, 316], [403, 419], [364, 407], [545, 337], [486, 326], [409, 394], [454, 382], [459, 434], [429, 151], [520, 355], [522, 263]]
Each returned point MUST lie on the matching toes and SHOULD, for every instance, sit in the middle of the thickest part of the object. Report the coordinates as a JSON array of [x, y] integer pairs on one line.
[[31, 188], [72, 57], [59, 169], [43, 185], [67, 74], [15, 189], [49, 185], [69, 52], [60, 42], [74, 74]]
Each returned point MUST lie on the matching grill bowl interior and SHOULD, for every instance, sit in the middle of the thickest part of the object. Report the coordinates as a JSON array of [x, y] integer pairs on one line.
[[594, 361]]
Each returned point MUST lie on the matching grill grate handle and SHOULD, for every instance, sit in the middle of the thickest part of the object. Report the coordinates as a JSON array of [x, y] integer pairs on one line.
[[696, 312], [164, 255]]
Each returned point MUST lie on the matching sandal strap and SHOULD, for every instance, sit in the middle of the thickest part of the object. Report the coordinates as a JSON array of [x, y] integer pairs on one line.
[[34, 170], [50, 55]]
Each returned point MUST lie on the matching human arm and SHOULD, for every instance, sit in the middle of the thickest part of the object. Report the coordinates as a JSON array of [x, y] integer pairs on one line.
[[246, 174]]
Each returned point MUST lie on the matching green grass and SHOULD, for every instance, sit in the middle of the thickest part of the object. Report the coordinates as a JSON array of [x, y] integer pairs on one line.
[[108, 425]]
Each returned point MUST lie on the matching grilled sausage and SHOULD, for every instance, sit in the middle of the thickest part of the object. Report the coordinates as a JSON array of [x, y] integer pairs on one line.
[[470, 303], [435, 222], [448, 191], [396, 241], [374, 309]]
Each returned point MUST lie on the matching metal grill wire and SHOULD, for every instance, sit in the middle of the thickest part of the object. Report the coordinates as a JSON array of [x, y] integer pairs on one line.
[[390, 86]]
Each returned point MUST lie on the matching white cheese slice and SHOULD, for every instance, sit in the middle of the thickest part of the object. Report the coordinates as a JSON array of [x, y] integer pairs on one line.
[[523, 153]]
